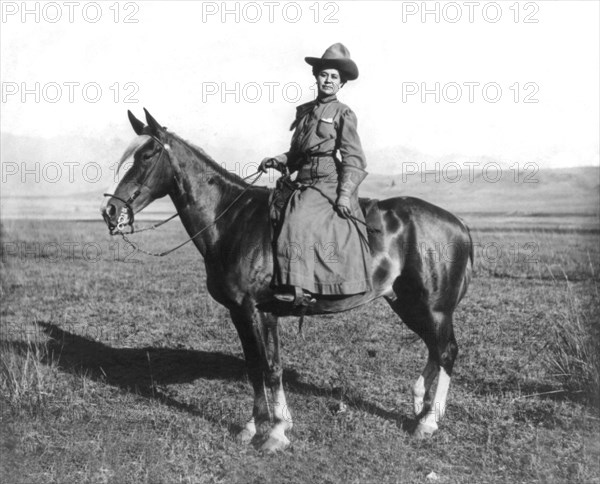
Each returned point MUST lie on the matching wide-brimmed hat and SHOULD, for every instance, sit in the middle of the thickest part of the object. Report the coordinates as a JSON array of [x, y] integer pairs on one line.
[[336, 57]]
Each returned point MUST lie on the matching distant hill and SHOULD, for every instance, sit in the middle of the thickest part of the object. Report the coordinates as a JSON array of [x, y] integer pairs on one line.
[[562, 191], [34, 166], [491, 186]]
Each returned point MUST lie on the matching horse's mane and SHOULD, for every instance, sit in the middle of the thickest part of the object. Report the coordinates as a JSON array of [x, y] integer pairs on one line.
[[206, 158]]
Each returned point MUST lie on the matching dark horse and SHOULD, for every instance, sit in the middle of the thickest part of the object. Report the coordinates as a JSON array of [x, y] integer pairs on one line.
[[422, 264]]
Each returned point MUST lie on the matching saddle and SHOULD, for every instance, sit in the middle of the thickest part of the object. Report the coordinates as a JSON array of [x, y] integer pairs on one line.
[[284, 187]]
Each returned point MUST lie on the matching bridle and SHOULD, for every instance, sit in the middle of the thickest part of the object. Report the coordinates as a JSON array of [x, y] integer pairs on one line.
[[126, 217]]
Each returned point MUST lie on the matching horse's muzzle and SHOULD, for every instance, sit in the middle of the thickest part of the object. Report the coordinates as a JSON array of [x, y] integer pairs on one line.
[[106, 216], [117, 214]]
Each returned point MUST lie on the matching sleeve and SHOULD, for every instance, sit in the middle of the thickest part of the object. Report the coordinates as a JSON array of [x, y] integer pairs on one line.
[[352, 171], [291, 160], [288, 160], [283, 158], [349, 141]]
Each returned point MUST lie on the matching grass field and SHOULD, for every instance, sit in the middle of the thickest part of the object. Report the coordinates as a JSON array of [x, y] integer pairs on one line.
[[118, 368]]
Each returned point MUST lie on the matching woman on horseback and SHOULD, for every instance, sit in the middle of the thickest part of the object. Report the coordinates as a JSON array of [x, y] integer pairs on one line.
[[321, 246]]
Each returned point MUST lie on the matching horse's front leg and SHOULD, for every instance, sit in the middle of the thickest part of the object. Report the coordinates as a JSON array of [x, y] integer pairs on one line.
[[282, 416], [250, 330]]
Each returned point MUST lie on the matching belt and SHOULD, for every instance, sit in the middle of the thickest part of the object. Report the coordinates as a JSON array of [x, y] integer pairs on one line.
[[317, 167]]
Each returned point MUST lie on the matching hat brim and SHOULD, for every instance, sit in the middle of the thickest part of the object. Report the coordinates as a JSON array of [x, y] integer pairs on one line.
[[347, 67]]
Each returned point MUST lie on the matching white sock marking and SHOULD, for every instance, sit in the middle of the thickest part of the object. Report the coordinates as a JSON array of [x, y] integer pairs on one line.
[[283, 416], [438, 407], [418, 394]]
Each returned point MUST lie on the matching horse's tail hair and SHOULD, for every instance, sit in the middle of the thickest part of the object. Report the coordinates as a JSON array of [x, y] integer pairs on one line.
[[471, 250]]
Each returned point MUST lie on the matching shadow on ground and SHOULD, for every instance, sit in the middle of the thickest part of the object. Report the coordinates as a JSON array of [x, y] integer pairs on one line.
[[143, 370]]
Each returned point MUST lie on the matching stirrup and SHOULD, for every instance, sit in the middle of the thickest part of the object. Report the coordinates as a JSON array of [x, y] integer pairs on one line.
[[298, 298]]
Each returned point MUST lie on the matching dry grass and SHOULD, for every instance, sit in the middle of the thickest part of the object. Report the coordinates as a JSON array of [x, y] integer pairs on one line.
[[127, 372], [24, 377], [574, 346]]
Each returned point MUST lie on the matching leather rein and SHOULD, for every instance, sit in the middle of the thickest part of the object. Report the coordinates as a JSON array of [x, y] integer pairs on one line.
[[126, 217]]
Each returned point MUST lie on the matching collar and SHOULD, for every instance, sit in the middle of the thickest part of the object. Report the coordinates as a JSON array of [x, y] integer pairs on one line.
[[304, 109], [326, 99]]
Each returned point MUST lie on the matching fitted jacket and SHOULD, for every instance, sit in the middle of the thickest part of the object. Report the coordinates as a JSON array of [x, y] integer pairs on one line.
[[325, 127]]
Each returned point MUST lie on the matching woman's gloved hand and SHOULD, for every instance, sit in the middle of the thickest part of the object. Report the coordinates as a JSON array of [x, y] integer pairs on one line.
[[267, 163], [342, 205]]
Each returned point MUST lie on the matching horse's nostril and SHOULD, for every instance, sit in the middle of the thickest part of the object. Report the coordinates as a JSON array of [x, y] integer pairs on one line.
[[111, 210]]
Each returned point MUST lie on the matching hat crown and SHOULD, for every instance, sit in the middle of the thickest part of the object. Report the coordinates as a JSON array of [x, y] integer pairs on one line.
[[337, 56], [336, 51]]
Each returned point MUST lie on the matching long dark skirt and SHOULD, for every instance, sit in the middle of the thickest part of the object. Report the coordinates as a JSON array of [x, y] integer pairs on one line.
[[317, 249]]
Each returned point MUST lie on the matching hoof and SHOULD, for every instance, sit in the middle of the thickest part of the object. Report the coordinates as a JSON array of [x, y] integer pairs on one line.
[[424, 431], [275, 444], [245, 436]]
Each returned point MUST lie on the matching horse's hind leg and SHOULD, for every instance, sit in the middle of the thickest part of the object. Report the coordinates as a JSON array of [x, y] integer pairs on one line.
[[421, 388], [443, 354], [435, 328]]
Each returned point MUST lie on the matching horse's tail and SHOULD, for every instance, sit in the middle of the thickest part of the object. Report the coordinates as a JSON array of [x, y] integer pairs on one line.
[[468, 274], [471, 250]]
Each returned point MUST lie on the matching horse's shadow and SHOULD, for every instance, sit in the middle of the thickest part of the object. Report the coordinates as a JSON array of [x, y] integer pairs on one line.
[[144, 370]]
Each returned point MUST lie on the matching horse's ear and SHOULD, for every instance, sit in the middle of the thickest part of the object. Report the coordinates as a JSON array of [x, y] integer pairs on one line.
[[152, 123], [136, 124]]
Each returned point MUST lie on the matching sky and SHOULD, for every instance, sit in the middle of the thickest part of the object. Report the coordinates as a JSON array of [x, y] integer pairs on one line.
[[516, 81]]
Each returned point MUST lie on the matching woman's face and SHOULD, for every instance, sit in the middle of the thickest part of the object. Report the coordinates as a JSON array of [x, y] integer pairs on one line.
[[328, 82]]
